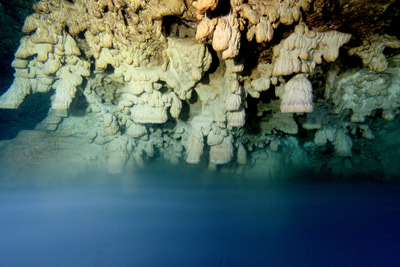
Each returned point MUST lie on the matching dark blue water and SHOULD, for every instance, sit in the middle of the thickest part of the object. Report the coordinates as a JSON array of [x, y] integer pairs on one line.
[[158, 218]]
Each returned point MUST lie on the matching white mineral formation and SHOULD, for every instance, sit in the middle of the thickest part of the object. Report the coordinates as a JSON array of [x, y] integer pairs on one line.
[[194, 146], [342, 144], [48, 58], [371, 51], [142, 113], [136, 130], [297, 96], [261, 17], [325, 134], [233, 102], [118, 153], [165, 79], [338, 137], [222, 153], [188, 62], [204, 5], [264, 16], [227, 36], [15, 95], [304, 49], [216, 136], [237, 118], [205, 28], [367, 133], [241, 154], [365, 91]]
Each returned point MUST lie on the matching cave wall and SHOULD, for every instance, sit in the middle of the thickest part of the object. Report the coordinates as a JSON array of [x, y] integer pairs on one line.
[[226, 84]]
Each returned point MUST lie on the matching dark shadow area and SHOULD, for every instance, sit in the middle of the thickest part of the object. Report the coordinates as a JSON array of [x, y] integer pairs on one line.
[[173, 26], [392, 19], [79, 104], [32, 111], [194, 97], [253, 118], [250, 54], [185, 111], [389, 52], [167, 23], [6, 80], [347, 61], [223, 8], [215, 60], [109, 70], [13, 14]]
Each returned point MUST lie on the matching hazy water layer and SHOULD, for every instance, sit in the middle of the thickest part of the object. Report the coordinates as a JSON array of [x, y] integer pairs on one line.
[[164, 218]]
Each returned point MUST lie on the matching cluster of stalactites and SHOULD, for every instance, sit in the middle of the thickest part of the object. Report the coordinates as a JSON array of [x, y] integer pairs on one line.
[[300, 53], [338, 137], [148, 92], [223, 107], [47, 59], [363, 92], [53, 55], [219, 140], [371, 51], [258, 17], [304, 49]]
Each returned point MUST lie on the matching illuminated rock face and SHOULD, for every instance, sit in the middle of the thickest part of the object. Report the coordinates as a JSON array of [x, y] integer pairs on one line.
[[176, 79]]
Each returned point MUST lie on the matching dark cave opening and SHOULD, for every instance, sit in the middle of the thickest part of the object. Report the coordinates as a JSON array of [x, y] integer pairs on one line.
[[253, 116], [222, 9], [215, 60], [125, 17], [177, 27], [110, 69], [32, 111], [79, 103], [167, 23]]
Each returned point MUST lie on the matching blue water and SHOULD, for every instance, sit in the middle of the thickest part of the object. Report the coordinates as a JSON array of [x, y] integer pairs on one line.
[[161, 218]]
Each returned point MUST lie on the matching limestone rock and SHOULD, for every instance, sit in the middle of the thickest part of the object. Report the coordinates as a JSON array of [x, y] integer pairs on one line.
[[304, 49], [371, 51], [297, 96]]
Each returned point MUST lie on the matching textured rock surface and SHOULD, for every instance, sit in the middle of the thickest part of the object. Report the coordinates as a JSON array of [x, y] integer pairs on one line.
[[215, 83], [12, 16]]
